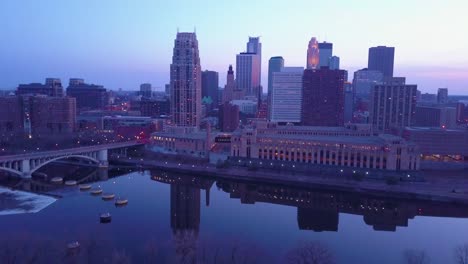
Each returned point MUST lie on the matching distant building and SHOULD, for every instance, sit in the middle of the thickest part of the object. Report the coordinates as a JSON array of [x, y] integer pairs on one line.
[[52, 87], [435, 116], [381, 59], [88, 96], [323, 97], [442, 95], [325, 53], [228, 117], [248, 73], [131, 127], [210, 84], [246, 106], [37, 115], [427, 98], [151, 107], [286, 95], [146, 90], [364, 80], [186, 82], [275, 64], [334, 62], [393, 105], [167, 89], [313, 55], [348, 102], [231, 92]]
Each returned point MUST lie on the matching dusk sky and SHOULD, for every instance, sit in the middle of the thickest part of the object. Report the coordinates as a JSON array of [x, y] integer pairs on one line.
[[121, 44]]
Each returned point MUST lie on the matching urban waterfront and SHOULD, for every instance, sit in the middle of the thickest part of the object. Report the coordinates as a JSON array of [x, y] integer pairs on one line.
[[179, 218]]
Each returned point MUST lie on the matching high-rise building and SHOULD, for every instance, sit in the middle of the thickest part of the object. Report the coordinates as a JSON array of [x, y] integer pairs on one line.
[[210, 84], [442, 95], [88, 96], [248, 73], [186, 109], [52, 87], [146, 90], [286, 95], [275, 64], [167, 89], [393, 105], [323, 97], [325, 53], [334, 62], [313, 56], [381, 59], [348, 102], [364, 80]]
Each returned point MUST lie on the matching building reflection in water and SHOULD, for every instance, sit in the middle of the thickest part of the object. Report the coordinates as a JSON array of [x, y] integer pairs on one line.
[[319, 210], [185, 212]]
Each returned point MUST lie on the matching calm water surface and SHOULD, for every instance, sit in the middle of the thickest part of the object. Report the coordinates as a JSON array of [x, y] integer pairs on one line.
[[172, 217]]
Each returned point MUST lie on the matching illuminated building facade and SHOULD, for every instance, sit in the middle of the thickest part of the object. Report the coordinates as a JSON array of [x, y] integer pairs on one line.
[[313, 55], [352, 146]]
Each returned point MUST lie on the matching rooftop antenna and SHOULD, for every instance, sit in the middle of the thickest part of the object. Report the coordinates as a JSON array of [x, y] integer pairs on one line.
[[177, 29]]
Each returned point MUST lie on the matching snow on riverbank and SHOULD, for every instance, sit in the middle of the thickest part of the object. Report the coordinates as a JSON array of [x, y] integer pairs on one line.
[[19, 202]]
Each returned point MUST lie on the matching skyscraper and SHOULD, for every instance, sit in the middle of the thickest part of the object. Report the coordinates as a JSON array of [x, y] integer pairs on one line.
[[323, 97], [286, 95], [442, 95], [325, 53], [248, 73], [313, 54], [275, 64], [185, 80], [393, 105], [210, 82], [381, 59]]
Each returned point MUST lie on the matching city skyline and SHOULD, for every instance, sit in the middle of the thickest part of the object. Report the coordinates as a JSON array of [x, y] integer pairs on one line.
[[134, 42]]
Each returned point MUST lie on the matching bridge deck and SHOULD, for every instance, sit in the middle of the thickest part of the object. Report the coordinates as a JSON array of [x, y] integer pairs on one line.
[[70, 151]]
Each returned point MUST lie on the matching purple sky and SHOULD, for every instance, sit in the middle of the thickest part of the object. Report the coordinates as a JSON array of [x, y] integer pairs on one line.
[[121, 44]]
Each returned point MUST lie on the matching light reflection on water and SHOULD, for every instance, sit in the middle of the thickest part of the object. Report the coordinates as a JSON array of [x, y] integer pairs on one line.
[[177, 218]]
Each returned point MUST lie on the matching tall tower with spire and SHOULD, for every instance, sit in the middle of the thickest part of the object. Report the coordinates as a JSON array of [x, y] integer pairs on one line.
[[185, 80], [313, 54]]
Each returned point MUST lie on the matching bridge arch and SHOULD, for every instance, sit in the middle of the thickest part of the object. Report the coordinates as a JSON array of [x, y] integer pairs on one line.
[[64, 157]]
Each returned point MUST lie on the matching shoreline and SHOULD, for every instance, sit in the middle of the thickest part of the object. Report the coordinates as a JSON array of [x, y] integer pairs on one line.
[[439, 192]]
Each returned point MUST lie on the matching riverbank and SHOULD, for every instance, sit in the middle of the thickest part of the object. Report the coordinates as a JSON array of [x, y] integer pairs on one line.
[[436, 188]]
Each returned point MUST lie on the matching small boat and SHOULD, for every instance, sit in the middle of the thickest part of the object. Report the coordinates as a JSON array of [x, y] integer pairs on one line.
[[108, 196], [105, 218], [73, 245], [121, 202], [96, 191], [85, 187], [57, 180], [70, 183]]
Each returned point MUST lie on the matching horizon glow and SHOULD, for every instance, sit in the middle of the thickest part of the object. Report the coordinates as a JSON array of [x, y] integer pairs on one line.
[[121, 44]]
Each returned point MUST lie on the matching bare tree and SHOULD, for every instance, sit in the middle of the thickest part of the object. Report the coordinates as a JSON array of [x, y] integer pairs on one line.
[[310, 253], [414, 256], [461, 254]]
